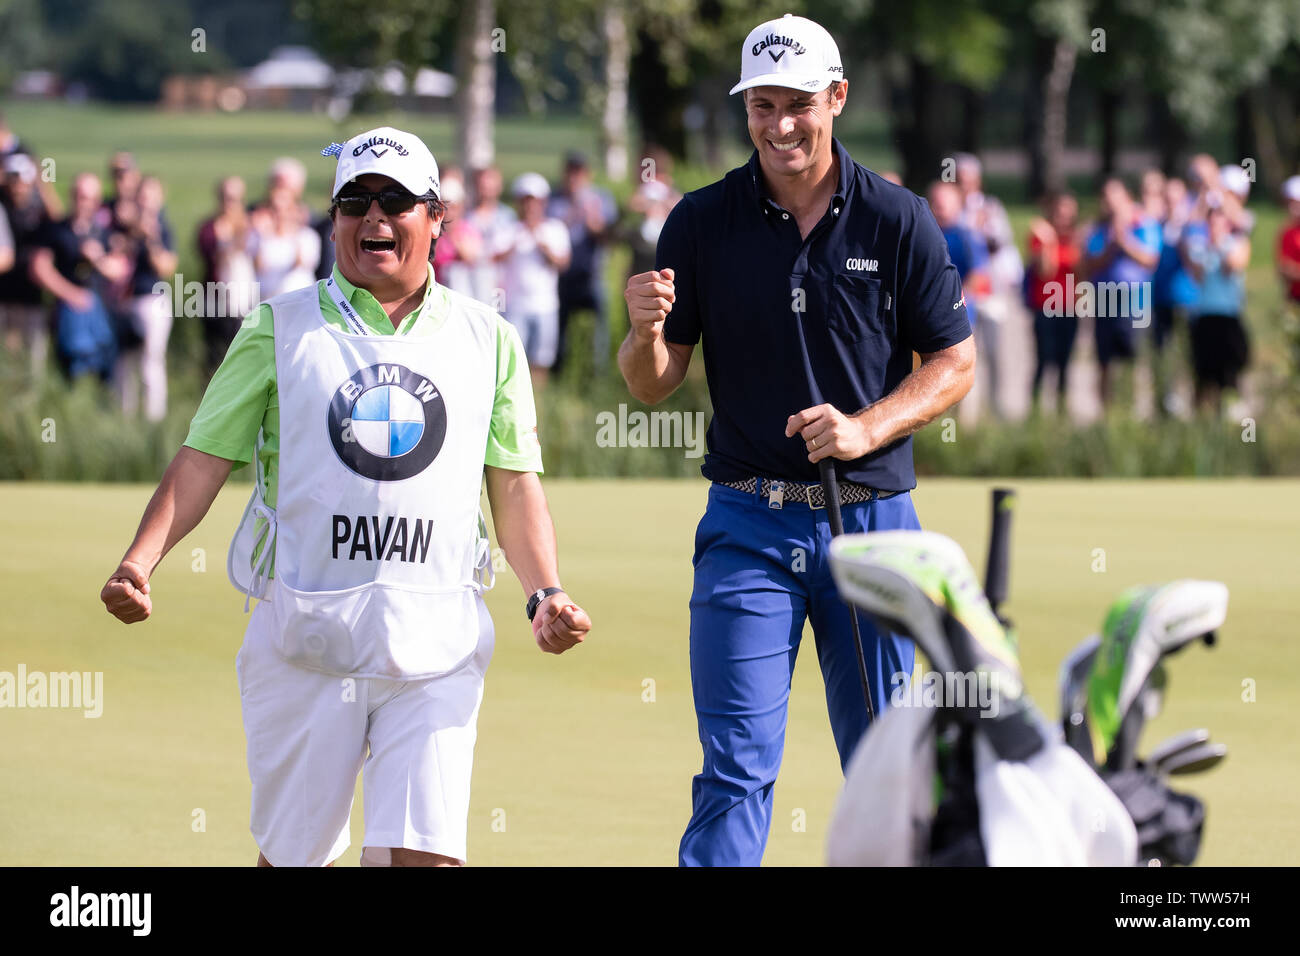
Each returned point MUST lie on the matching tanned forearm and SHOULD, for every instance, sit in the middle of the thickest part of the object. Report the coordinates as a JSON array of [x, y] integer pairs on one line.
[[651, 369], [186, 492], [524, 528], [942, 380]]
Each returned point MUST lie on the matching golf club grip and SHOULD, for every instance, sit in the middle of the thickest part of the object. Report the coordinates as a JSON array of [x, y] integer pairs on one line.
[[831, 488], [997, 571]]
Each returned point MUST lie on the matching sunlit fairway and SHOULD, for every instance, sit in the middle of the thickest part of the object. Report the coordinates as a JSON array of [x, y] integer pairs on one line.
[[587, 758]]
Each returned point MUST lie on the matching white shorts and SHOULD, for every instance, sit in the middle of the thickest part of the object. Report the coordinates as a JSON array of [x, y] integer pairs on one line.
[[308, 736]]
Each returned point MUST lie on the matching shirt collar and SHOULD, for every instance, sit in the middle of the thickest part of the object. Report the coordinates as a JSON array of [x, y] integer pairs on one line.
[[433, 306], [763, 197]]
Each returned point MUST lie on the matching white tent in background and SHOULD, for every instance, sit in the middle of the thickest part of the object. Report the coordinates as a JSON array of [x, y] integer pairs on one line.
[[290, 67], [297, 78]]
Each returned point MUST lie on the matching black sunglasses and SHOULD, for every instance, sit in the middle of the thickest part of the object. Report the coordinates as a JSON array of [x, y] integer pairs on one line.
[[393, 202]]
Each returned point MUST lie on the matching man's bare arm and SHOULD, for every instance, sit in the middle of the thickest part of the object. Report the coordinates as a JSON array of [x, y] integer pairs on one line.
[[652, 366], [942, 380], [186, 492], [526, 534]]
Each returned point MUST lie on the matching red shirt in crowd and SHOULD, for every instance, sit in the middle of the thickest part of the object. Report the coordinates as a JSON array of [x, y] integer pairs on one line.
[[1067, 261], [1288, 250]]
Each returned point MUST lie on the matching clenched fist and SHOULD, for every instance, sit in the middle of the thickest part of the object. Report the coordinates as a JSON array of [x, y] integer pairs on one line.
[[126, 595], [650, 297], [559, 624]]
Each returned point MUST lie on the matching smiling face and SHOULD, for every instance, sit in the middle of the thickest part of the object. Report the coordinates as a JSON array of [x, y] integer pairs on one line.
[[380, 252], [791, 129]]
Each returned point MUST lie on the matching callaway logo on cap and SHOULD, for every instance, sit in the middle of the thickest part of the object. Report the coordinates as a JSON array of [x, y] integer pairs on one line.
[[793, 52], [389, 152]]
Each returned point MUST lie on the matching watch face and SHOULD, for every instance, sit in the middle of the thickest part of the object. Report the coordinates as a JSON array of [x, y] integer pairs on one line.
[[538, 596]]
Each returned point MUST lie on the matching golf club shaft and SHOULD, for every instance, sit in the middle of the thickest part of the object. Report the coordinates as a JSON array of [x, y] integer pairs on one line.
[[831, 489], [997, 571]]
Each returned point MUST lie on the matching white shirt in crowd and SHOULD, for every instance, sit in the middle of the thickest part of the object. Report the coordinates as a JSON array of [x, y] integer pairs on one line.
[[495, 228], [988, 216], [531, 282], [285, 263]]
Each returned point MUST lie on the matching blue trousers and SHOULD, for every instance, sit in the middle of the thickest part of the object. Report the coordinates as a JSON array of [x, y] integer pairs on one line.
[[759, 574]]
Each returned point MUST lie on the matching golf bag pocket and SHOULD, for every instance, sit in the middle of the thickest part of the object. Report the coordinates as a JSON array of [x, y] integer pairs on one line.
[[376, 630], [857, 310]]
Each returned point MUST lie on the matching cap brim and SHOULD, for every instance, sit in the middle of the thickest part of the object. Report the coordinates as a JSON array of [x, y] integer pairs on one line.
[[806, 85], [418, 189]]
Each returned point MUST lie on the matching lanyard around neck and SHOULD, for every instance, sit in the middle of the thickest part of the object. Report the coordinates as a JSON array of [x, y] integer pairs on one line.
[[350, 316]]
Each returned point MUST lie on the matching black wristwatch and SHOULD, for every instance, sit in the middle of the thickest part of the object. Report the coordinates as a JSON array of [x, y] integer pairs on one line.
[[537, 598]]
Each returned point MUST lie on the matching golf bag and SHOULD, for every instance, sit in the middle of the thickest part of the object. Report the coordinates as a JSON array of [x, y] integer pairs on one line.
[[963, 770], [1113, 683]]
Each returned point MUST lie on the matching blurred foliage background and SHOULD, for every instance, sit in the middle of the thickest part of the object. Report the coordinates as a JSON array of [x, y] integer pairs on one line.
[[1145, 84]]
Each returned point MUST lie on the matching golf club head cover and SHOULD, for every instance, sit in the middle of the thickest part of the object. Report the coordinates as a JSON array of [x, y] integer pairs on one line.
[[1142, 627], [920, 583]]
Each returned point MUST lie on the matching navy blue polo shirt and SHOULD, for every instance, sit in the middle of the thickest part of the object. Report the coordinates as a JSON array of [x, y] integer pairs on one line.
[[875, 282]]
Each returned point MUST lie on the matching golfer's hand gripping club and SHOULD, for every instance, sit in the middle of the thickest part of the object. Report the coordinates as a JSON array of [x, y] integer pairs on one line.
[[829, 433]]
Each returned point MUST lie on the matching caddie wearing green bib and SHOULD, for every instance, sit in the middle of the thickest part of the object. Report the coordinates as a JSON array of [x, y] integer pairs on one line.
[[372, 403]]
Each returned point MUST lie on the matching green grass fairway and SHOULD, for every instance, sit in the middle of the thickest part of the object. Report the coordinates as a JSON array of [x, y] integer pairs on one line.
[[575, 764]]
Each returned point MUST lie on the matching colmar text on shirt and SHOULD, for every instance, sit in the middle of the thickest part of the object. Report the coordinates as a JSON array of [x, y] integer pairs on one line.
[[376, 538]]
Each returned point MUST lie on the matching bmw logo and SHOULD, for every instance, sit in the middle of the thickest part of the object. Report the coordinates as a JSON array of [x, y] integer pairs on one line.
[[387, 423]]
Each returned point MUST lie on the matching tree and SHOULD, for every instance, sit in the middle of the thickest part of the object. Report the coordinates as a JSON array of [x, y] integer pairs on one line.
[[476, 75], [927, 51], [613, 114], [121, 50], [1060, 31], [1198, 55], [23, 39]]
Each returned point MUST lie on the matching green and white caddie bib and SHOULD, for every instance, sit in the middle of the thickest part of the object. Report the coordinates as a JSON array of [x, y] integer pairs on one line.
[[379, 546]]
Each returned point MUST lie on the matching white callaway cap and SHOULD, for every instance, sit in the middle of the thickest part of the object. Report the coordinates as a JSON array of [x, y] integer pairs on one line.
[[1291, 189], [792, 51], [389, 152]]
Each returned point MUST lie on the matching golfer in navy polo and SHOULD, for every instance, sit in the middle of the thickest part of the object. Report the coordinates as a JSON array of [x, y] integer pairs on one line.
[[810, 281]]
